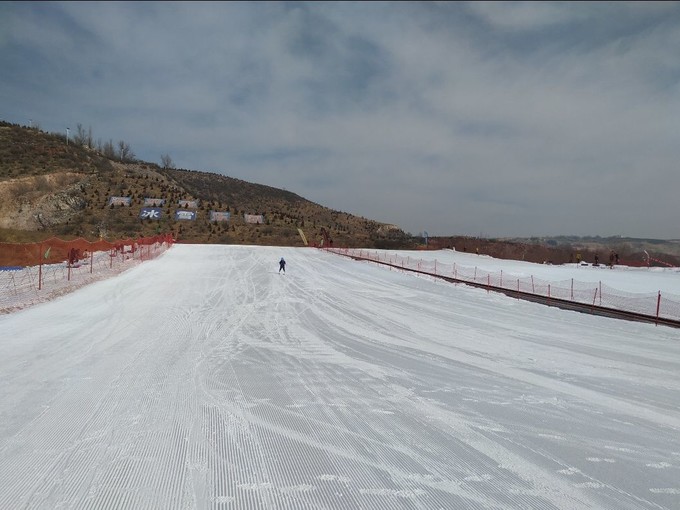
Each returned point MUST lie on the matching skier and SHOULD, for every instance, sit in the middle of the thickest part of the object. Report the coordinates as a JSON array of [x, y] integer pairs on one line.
[[282, 265]]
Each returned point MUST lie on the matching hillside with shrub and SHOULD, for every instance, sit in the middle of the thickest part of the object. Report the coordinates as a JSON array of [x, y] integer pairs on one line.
[[51, 186], [54, 186]]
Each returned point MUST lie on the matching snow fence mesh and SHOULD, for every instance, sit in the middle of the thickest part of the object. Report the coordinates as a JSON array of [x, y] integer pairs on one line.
[[652, 304], [32, 273]]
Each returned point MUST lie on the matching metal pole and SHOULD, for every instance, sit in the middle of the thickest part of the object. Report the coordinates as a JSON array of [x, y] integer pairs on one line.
[[40, 255]]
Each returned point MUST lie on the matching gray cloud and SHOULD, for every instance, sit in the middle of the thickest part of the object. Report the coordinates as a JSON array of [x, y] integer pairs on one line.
[[455, 118]]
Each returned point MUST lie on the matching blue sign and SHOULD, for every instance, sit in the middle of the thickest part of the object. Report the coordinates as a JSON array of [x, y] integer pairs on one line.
[[185, 215], [151, 213]]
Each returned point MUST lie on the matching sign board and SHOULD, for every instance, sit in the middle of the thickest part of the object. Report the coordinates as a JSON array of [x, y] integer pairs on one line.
[[124, 201], [185, 215], [151, 213], [219, 216], [154, 202], [253, 218], [189, 204]]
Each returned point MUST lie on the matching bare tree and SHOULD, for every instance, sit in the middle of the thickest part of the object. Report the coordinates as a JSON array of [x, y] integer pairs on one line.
[[88, 138], [166, 161], [125, 153], [108, 151], [80, 137]]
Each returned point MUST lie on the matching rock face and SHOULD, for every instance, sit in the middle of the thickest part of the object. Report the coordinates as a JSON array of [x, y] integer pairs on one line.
[[58, 208], [37, 202]]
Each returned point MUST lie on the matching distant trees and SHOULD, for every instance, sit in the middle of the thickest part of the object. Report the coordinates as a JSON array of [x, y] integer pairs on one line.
[[125, 153], [166, 161], [82, 137], [108, 151], [121, 152]]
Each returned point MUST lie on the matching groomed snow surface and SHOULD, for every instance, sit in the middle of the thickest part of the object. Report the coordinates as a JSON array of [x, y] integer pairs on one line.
[[205, 379]]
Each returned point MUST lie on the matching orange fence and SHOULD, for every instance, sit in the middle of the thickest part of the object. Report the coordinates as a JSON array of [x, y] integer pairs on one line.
[[35, 272], [586, 295]]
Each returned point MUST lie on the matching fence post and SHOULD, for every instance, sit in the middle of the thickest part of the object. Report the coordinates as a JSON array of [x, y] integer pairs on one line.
[[517, 288], [594, 298], [91, 259], [435, 266], [533, 289], [658, 306], [572, 289], [600, 293], [501, 278], [488, 282], [40, 258], [475, 277]]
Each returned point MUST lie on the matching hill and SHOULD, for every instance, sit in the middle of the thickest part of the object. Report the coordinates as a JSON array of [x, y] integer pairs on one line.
[[567, 249], [50, 186]]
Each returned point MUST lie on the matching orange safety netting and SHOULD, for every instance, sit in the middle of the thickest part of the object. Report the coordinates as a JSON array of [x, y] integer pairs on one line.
[[31, 273], [55, 250]]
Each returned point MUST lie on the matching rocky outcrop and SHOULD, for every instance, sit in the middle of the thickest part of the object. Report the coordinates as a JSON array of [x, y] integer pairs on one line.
[[38, 202]]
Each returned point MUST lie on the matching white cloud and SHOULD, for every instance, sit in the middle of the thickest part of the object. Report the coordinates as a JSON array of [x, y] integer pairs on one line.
[[527, 15], [520, 118]]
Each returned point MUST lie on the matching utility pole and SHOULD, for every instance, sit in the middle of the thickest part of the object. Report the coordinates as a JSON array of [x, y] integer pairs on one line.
[[66, 136]]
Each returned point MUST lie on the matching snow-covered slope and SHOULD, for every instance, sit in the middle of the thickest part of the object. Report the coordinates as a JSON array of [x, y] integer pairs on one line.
[[205, 379]]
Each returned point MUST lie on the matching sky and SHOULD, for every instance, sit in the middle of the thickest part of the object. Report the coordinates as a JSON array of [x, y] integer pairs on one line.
[[511, 119], [386, 390]]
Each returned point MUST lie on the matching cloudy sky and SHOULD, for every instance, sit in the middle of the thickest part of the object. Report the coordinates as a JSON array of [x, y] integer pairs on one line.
[[492, 119]]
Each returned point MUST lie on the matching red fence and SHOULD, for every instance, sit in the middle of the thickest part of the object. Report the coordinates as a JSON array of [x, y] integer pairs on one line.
[[31, 273], [652, 305]]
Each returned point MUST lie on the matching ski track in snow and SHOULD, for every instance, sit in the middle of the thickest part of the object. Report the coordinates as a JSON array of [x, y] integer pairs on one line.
[[206, 380]]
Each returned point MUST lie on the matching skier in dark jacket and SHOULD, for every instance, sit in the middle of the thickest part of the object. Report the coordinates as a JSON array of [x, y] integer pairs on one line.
[[282, 265]]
